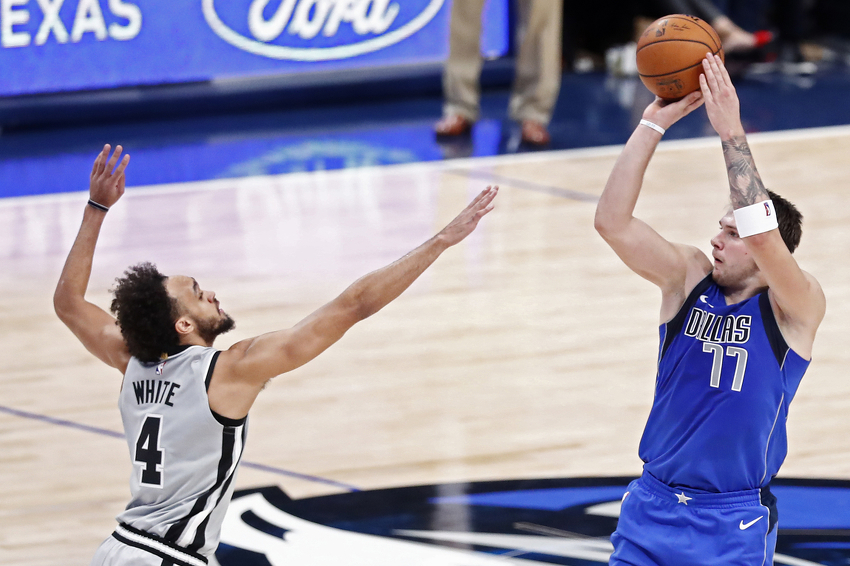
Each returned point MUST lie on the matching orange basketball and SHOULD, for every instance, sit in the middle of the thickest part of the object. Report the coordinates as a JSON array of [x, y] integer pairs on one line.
[[670, 54]]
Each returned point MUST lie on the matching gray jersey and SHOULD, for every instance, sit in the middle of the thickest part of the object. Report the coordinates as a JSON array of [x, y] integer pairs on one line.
[[184, 456]]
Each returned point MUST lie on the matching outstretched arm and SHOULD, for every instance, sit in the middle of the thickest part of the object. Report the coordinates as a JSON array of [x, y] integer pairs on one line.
[[674, 268], [797, 296], [93, 326], [243, 370]]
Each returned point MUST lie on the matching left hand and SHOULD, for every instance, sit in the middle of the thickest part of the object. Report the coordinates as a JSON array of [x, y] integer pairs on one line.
[[107, 181], [665, 113], [465, 222], [721, 100]]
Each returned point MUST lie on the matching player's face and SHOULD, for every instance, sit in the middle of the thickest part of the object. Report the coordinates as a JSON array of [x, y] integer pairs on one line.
[[733, 264], [200, 307]]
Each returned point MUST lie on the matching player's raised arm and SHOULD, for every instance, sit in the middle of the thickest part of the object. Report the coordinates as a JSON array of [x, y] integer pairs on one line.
[[93, 326], [672, 267], [243, 370], [797, 294]]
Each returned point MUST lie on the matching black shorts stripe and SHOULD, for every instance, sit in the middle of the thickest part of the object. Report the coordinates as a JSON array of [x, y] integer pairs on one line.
[[180, 556]]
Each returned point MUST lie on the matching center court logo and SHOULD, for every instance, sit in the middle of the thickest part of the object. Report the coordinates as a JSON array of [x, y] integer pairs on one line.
[[565, 521], [317, 30]]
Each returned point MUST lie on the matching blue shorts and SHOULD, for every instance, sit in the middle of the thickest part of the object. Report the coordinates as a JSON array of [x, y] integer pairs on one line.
[[661, 526]]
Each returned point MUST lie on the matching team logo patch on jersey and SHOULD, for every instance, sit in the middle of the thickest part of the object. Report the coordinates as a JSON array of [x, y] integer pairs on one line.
[[554, 521]]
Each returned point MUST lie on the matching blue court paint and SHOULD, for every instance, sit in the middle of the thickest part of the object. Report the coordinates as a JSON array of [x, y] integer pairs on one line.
[[800, 507], [239, 156], [823, 545], [497, 520], [804, 508], [541, 499], [593, 110]]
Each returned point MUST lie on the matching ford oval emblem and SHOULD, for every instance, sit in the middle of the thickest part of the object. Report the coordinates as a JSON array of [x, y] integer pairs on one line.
[[317, 30]]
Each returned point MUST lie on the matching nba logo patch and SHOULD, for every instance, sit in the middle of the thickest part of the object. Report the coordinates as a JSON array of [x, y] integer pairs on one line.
[[159, 368], [767, 208]]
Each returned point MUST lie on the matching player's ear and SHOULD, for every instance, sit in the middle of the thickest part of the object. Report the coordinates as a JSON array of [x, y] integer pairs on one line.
[[184, 326]]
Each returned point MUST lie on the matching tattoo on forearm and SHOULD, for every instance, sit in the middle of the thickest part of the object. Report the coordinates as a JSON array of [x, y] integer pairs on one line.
[[745, 184]]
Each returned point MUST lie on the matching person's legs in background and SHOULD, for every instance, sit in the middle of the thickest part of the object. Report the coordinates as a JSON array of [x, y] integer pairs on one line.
[[732, 35], [538, 68], [462, 73]]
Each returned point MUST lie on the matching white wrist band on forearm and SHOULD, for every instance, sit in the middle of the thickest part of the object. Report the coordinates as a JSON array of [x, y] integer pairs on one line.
[[756, 218], [655, 127], [98, 206]]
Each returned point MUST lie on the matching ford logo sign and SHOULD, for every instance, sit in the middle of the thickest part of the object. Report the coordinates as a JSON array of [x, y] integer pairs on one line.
[[317, 30]]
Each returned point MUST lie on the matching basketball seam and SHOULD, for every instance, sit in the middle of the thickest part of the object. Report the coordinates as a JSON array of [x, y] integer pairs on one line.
[[674, 72], [678, 41], [688, 19], [700, 27]]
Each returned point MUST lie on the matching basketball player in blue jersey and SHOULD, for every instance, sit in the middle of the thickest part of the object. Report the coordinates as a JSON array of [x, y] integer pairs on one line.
[[184, 404], [736, 337]]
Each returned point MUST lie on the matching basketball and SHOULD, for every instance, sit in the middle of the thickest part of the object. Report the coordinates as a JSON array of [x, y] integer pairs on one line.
[[670, 54]]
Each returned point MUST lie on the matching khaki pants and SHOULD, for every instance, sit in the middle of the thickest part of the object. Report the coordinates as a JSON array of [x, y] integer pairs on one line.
[[538, 62]]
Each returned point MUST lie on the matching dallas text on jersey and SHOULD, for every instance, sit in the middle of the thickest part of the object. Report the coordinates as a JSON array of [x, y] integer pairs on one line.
[[709, 327]]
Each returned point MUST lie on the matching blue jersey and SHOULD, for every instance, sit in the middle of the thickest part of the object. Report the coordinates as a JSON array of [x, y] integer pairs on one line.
[[725, 380]]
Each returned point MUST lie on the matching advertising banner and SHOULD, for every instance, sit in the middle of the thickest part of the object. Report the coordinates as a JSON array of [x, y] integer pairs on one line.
[[68, 45]]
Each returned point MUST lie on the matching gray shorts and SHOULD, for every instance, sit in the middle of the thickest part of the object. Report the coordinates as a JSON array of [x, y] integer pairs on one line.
[[114, 553]]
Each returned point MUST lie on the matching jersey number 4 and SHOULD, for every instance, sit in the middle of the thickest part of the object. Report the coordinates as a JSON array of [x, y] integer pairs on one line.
[[148, 452], [717, 363]]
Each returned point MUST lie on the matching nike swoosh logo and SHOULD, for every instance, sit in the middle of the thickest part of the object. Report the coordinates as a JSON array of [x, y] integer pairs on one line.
[[744, 526], [704, 299]]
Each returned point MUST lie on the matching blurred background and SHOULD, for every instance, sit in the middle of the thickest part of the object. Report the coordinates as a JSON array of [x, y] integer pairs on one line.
[[211, 89]]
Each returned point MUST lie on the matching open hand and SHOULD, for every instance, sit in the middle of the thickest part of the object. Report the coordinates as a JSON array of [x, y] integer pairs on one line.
[[107, 181], [721, 100], [665, 113], [465, 222]]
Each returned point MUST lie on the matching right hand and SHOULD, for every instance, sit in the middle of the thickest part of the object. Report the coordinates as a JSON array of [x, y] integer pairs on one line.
[[465, 222], [106, 186], [666, 113], [721, 100]]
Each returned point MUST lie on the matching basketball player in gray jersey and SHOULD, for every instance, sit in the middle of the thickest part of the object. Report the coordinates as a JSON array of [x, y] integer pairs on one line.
[[185, 404]]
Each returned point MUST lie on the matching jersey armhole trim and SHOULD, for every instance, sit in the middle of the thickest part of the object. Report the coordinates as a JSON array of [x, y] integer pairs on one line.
[[210, 370], [771, 329], [228, 422], [222, 420], [675, 324]]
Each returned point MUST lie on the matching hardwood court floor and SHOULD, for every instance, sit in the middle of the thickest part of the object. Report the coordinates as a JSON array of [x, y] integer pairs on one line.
[[525, 352]]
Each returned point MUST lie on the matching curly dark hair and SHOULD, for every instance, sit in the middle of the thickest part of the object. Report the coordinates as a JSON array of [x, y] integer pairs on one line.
[[146, 312], [790, 220]]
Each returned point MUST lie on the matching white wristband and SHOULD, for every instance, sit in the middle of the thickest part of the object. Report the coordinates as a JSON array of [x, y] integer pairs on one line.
[[756, 218], [655, 127]]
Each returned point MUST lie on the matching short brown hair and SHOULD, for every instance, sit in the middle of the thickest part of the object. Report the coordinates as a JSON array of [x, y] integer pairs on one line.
[[790, 220]]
